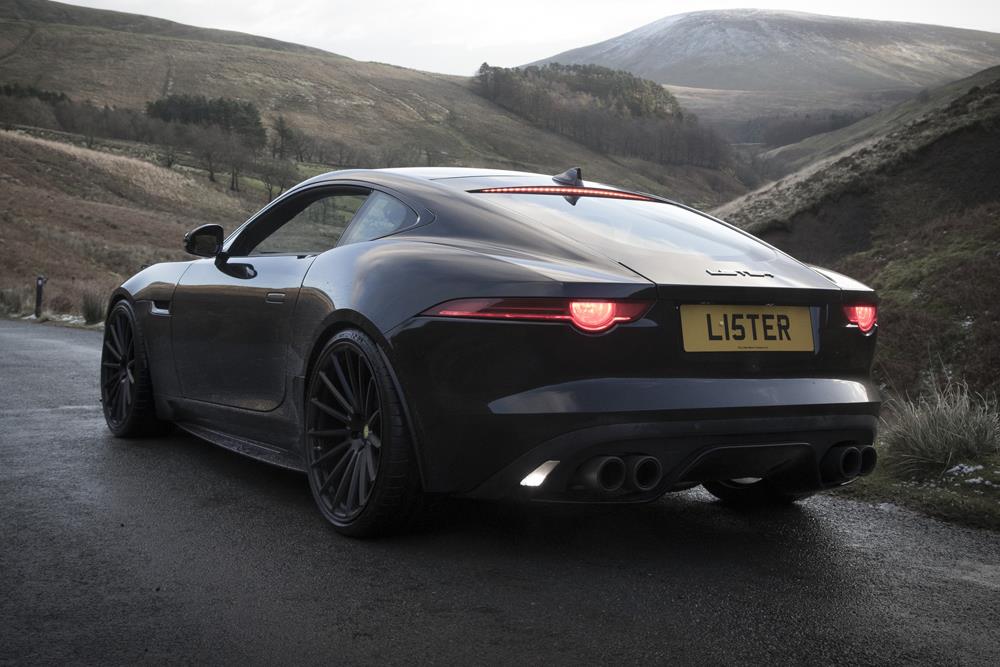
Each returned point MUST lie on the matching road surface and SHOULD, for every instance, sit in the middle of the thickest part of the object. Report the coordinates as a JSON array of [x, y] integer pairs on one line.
[[171, 549]]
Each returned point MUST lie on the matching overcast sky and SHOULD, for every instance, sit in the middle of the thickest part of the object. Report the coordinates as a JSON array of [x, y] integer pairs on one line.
[[455, 36]]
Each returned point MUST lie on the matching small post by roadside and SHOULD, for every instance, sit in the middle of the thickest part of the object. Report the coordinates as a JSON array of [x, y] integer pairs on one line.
[[39, 286]]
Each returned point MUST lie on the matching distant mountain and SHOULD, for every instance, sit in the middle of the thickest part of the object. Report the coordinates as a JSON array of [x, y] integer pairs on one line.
[[756, 49], [907, 201], [733, 64]]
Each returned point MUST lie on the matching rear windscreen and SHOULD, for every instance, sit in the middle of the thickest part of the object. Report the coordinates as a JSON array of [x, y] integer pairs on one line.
[[635, 225]]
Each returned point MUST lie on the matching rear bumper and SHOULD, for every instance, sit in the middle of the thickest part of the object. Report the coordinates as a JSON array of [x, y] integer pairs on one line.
[[489, 399], [786, 449], [698, 428]]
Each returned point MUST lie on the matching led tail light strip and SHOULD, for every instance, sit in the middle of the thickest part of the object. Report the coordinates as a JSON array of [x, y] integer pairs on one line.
[[564, 191], [591, 315]]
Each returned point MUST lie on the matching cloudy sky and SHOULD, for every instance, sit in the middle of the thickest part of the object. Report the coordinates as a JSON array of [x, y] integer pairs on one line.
[[455, 36]]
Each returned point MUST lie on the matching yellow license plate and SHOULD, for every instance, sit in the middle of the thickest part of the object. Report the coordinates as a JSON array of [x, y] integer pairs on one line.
[[746, 329]]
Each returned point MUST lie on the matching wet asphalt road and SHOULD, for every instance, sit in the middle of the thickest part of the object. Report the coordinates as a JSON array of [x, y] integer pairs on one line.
[[172, 549]]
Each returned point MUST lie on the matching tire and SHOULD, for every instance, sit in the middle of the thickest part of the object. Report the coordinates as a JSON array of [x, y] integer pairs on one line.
[[126, 387], [358, 451], [751, 494]]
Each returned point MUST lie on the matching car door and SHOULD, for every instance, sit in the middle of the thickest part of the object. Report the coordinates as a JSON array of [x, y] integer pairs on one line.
[[231, 316]]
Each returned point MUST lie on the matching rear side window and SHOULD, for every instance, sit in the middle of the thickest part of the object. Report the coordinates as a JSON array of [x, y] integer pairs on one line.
[[313, 229], [635, 225], [380, 216]]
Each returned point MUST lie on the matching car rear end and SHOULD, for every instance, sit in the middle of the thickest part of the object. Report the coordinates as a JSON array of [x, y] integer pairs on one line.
[[721, 359]]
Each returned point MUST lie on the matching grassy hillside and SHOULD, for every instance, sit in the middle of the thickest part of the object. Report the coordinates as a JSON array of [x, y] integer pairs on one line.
[[88, 219], [787, 159], [125, 61], [913, 209], [58, 12]]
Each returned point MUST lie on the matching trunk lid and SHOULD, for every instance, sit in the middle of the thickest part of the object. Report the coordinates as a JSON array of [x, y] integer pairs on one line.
[[668, 244]]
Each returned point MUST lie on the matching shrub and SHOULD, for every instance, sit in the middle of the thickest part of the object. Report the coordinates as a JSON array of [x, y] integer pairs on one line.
[[60, 303], [93, 307], [951, 425], [15, 301]]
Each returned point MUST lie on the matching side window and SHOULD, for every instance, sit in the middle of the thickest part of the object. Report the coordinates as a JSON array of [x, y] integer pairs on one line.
[[309, 226], [382, 215]]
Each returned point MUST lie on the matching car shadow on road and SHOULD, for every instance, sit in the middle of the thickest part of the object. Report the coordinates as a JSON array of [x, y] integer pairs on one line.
[[689, 527]]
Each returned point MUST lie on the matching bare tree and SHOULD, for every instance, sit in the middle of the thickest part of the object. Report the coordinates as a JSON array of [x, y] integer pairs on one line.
[[283, 135], [276, 175], [209, 145]]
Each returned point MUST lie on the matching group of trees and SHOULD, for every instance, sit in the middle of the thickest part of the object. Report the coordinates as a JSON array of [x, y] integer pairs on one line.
[[229, 115], [608, 110], [20, 91], [788, 129], [222, 133]]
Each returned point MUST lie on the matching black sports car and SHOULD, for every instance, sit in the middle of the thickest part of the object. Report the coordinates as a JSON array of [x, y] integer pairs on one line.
[[394, 333]]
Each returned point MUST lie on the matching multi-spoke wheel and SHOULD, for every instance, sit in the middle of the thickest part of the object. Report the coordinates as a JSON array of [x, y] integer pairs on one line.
[[751, 491], [126, 391], [357, 450]]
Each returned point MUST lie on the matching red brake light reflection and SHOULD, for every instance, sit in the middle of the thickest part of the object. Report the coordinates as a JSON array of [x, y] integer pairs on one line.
[[592, 316], [864, 315]]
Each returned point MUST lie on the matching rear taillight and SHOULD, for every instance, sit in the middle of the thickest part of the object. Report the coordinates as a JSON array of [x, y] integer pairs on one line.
[[591, 315], [864, 315]]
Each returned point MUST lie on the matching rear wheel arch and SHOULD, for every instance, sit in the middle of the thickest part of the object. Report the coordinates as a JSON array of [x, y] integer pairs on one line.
[[350, 319], [334, 324]]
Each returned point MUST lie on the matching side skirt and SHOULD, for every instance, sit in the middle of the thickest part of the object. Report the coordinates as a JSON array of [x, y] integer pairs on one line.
[[250, 448]]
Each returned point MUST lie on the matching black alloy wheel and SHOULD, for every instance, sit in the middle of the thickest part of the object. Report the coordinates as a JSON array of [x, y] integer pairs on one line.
[[357, 448], [126, 389], [118, 369]]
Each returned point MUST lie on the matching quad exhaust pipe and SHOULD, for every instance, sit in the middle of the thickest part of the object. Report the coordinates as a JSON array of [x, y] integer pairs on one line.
[[643, 473], [869, 457], [843, 463], [607, 474], [602, 473]]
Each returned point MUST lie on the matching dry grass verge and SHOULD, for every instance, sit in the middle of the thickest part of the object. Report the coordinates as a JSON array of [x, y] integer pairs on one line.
[[93, 307], [949, 426], [940, 454]]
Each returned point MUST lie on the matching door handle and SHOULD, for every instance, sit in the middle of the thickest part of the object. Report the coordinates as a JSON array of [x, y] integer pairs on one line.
[[275, 297]]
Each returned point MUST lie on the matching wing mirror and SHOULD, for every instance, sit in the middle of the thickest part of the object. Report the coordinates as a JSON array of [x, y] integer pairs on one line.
[[204, 241]]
